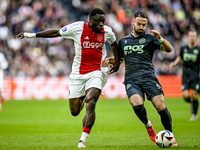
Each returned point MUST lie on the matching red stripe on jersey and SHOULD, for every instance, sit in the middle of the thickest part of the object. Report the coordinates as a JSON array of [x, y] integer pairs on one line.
[[92, 45]]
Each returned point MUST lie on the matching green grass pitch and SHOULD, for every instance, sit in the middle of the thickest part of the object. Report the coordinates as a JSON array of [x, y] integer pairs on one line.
[[48, 125]]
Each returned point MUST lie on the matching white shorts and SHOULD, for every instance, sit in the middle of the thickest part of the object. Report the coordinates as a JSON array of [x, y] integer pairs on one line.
[[80, 83]]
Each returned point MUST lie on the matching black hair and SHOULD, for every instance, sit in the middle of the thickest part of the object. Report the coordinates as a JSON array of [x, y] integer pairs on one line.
[[140, 14], [95, 11]]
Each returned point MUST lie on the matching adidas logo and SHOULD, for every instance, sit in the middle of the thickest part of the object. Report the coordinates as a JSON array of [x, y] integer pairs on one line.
[[86, 38]]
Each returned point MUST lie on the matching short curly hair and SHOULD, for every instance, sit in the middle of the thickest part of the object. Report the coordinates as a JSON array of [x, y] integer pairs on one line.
[[95, 11], [140, 14]]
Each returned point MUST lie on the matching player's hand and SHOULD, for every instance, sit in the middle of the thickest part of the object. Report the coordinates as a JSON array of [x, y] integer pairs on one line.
[[114, 68], [171, 66], [105, 62], [20, 36], [155, 33]]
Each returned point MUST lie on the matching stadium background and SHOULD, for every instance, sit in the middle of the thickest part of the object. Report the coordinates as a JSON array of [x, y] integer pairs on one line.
[[39, 68]]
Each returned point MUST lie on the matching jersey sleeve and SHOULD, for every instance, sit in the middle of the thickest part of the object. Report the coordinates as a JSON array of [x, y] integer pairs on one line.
[[156, 43], [110, 35], [69, 31]]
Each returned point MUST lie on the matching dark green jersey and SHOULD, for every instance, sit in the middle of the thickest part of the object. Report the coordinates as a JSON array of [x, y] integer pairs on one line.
[[138, 53], [191, 58]]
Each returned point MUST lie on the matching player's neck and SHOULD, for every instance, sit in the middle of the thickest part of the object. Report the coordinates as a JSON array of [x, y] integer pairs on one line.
[[192, 45]]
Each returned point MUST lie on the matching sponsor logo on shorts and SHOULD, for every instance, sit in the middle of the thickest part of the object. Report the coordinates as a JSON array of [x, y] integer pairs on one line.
[[87, 44], [128, 86]]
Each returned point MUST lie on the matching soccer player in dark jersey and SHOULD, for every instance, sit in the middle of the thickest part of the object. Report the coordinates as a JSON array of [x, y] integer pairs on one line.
[[190, 56], [137, 49]]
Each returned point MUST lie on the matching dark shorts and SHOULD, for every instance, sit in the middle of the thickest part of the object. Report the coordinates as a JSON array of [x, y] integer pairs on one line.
[[190, 83], [148, 86]]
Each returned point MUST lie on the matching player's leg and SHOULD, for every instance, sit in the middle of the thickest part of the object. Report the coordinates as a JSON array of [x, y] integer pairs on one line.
[[76, 105], [195, 105], [136, 99], [186, 95], [92, 96], [159, 104], [94, 86], [185, 89]]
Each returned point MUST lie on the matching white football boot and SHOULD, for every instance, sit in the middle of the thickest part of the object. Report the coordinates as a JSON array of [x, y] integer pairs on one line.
[[193, 118], [81, 144]]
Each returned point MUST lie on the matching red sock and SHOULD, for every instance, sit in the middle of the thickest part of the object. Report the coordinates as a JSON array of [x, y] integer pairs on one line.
[[86, 130]]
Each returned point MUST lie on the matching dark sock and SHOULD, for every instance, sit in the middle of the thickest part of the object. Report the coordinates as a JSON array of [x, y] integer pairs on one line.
[[195, 105], [140, 111], [166, 119], [188, 100]]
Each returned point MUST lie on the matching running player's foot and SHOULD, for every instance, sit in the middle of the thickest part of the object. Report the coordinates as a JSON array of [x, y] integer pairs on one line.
[[152, 133], [3, 101], [0, 106], [193, 118], [175, 143], [81, 144]]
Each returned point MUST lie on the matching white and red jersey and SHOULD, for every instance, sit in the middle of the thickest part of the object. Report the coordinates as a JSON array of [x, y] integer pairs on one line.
[[90, 48]]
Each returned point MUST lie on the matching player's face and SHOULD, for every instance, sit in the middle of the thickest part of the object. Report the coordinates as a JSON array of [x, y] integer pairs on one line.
[[139, 25], [97, 22], [192, 37]]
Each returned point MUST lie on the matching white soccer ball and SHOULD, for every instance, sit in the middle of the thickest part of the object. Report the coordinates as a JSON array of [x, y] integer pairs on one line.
[[165, 138]]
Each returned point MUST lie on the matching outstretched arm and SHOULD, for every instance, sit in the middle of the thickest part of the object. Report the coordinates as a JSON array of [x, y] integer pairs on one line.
[[177, 61], [42, 34], [166, 46]]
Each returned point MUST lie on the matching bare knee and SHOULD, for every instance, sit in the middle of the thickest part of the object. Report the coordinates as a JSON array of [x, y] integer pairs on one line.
[[159, 103], [90, 106], [75, 112], [185, 94]]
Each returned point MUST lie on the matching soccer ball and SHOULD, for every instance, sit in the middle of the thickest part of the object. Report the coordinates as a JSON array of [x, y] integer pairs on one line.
[[165, 138]]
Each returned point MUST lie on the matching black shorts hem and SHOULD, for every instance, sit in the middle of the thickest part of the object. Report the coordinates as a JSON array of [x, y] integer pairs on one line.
[[155, 94]]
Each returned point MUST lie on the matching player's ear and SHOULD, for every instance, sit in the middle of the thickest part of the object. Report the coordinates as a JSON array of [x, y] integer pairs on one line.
[[132, 22]]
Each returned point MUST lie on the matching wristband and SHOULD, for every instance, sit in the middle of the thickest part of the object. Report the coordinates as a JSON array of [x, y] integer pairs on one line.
[[29, 35], [161, 39]]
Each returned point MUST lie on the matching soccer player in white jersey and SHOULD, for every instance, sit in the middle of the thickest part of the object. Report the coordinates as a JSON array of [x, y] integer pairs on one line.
[[3, 66], [88, 76]]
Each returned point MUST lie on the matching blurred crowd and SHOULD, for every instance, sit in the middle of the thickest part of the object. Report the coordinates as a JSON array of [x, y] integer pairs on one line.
[[54, 56]]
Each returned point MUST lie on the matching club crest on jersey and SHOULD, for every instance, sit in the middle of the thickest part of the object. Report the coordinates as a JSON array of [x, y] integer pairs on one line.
[[185, 50], [99, 38], [142, 40], [64, 29], [195, 51]]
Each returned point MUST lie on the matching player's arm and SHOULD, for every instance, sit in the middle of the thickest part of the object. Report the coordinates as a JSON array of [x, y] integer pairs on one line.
[[42, 34], [177, 61], [116, 61], [165, 45]]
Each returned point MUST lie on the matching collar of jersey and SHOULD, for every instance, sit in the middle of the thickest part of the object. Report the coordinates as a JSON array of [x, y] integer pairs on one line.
[[136, 36], [192, 47]]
